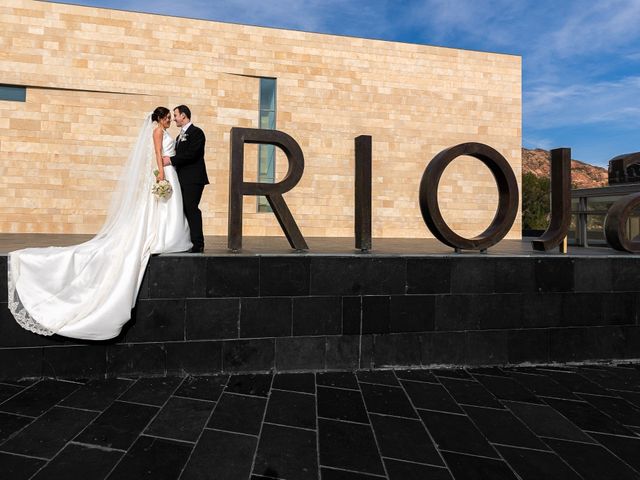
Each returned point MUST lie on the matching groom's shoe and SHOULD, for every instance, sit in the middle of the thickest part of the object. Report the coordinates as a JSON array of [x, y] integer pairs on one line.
[[196, 250]]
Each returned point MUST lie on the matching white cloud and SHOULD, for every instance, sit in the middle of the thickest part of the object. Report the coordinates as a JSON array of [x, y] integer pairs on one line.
[[588, 103], [597, 26], [309, 15], [534, 141]]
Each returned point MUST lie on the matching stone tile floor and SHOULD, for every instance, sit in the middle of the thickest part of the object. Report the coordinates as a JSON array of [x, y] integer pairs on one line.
[[485, 423]]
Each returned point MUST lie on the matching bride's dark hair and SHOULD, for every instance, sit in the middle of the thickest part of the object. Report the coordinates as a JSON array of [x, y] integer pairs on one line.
[[158, 113]]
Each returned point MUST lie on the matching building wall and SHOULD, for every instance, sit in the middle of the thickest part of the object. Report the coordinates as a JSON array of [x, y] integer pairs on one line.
[[92, 75]]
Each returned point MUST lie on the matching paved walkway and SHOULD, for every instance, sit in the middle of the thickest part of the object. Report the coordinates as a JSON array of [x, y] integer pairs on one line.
[[529, 423]]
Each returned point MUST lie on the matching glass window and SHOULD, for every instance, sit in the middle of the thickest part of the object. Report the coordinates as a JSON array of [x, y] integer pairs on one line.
[[13, 93], [268, 94], [600, 204], [577, 205], [267, 153], [633, 224], [595, 229], [572, 235]]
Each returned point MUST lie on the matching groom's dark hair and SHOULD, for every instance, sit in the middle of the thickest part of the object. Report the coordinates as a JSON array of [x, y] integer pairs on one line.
[[184, 109]]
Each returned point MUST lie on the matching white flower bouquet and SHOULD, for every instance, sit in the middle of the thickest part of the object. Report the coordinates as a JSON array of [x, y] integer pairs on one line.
[[162, 189]]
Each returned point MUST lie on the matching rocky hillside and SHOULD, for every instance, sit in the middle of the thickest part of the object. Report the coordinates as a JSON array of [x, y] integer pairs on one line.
[[583, 175]]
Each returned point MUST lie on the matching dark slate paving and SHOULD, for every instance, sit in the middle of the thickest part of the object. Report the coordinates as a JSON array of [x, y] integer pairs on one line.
[[295, 382], [221, 455], [544, 421], [456, 433], [336, 474], [258, 385], [203, 388], [501, 426], [470, 393], [542, 385], [612, 378], [477, 468], [83, 461], [19, 468], [118, 426], [451, 373], [592, 462], [387, 400], [618, 408], [587, 417], [37, 399], [382, 377], [506, 388], [341, 404], [349, 446], [404, 439], [238, 413], [181, 419], [8, 391], [623, 447], [153, 391], [48, 434], [97, 394], [291, 408], [575, 382], [556, 423], [153, 459], [337, 379], [430, 397], [535, 465], [398, 470], [10, 424], [287, 452], [417, 375]]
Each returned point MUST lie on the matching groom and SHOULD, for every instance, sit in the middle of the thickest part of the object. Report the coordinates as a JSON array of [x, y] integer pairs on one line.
[[192, 172]]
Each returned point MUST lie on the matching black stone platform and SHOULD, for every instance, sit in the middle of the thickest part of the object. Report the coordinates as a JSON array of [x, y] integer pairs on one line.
[[488, 423], [258, 312]]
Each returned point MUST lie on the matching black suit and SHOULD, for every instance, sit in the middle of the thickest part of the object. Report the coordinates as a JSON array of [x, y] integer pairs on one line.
[[192, 173]]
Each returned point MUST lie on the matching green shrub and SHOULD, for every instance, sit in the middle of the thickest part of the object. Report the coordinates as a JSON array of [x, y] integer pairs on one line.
[[535, 202]]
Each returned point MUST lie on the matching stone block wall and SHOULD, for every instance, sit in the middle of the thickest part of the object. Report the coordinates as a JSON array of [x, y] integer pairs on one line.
[[243, 313], [91, 74]]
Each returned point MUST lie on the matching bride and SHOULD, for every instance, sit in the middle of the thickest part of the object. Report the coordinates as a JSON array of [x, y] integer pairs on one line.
[[87, 291]]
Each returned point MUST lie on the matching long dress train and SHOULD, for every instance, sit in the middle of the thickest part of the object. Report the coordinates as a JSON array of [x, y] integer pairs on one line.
[[87, 291]]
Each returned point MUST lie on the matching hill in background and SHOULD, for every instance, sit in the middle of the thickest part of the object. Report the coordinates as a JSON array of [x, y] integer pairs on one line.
[[583, 175]]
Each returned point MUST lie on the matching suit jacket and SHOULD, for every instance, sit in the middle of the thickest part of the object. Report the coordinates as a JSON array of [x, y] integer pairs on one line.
[[189, 158]]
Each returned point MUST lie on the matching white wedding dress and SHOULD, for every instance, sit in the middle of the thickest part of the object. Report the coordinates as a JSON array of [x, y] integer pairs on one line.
[[87, 291]]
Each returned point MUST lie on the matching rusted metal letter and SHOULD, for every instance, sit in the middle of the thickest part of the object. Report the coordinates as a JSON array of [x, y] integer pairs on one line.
[[238, 188], [363, 193], [507, 197], [560, 201], [615, 224]]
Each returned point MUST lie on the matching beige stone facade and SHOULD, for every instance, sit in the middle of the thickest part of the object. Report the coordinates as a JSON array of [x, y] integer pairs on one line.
[[91, 75]]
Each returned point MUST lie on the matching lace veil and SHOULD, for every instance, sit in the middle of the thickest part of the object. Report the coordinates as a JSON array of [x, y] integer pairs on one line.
[[64, 284]]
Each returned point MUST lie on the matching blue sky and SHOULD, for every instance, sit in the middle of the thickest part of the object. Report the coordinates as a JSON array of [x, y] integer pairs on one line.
[[581, 58]]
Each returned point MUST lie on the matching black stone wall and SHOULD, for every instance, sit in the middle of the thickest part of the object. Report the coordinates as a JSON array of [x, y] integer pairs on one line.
[[289, 312]]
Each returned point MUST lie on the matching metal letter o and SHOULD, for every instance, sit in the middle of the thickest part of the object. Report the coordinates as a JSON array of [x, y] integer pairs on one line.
[[507, 196]]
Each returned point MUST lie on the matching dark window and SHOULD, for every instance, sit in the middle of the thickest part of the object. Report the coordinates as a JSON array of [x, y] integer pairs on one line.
[[12, 93], [267, 153]]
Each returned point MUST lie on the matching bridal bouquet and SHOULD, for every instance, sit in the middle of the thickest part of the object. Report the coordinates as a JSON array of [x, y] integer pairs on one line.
[[161, 189]]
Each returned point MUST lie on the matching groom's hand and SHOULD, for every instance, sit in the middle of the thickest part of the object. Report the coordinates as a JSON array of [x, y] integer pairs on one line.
[[166, 161]]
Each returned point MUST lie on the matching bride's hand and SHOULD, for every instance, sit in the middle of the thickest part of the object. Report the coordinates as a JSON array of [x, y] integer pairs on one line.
[[160, 176]]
